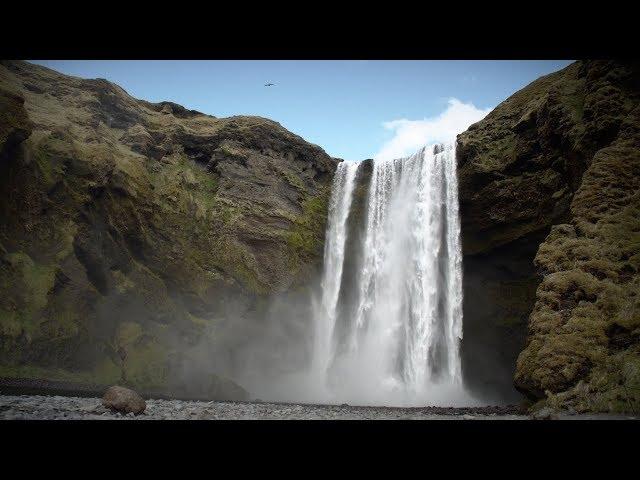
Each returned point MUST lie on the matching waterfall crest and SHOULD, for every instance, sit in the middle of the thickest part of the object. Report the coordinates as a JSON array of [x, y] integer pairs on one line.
[[402, 336]]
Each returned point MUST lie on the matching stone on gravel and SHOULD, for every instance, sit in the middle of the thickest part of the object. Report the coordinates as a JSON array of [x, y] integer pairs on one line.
[[545, 413], [39, 407], [123, 400]]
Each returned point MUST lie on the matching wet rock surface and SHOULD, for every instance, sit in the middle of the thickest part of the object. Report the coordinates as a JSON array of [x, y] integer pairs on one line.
[[34, 407]]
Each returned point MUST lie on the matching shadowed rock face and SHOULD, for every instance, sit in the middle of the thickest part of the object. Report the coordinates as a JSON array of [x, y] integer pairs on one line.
[[132, 232], [552, 174], [15, 125]]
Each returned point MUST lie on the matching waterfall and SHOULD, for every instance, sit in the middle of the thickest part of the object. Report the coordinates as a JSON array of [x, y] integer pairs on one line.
[[405, 326], [339, 206]]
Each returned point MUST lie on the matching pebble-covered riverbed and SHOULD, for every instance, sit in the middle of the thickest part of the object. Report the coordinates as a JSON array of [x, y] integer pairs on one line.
[[28, 407], [37, 407]]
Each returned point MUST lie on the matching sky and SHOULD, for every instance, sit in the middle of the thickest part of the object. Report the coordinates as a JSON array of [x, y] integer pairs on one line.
[[352, 109]]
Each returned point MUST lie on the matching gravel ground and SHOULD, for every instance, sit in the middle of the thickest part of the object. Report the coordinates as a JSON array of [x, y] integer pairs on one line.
[[37, 407]]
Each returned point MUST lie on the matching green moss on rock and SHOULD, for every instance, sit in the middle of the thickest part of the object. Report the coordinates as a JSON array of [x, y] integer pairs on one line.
[[306, 239], [127, 231], [558, 159], [585, 328]]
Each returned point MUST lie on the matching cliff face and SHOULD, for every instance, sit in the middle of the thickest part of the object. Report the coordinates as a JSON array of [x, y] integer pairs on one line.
[[550, 206], [133, 232]]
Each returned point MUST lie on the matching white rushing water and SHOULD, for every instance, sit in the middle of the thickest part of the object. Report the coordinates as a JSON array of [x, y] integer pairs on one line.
[[400, 343], [339, 207]]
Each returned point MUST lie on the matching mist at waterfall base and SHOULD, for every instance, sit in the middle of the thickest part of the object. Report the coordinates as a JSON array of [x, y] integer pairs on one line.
[[389, 335]]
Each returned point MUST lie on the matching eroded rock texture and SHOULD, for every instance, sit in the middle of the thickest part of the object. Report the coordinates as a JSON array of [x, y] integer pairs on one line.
[[553, 173], [133, 233]]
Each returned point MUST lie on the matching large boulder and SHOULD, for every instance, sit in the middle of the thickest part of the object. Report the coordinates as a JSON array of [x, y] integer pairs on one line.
[[123, 400]]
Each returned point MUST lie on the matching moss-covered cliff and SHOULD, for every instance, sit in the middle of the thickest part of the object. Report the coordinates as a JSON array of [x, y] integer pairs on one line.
[[131, 231], [553, 174]]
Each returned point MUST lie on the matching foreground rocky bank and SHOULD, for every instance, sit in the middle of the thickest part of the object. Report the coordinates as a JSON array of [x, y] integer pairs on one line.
[[550, 210], [145, 243], [75, 408]]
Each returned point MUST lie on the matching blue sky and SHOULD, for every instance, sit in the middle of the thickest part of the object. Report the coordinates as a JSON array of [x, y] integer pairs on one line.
[[353, 109]]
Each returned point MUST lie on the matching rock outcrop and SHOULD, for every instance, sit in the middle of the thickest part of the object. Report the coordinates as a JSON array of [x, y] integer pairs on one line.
[[133, 233], [553, 174]]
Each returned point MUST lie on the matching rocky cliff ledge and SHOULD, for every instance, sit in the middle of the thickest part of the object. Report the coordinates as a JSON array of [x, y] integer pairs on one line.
[[132, 232], [550, 205]]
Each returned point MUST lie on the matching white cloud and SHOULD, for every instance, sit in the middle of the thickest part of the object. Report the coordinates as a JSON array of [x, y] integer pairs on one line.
[[411, 135]]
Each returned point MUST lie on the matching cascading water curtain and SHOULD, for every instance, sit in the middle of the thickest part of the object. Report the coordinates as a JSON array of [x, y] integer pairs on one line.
[[406, 325], [339, 206]]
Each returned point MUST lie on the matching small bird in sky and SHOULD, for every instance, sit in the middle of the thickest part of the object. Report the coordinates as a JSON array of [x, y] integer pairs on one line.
[[269, 84]]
